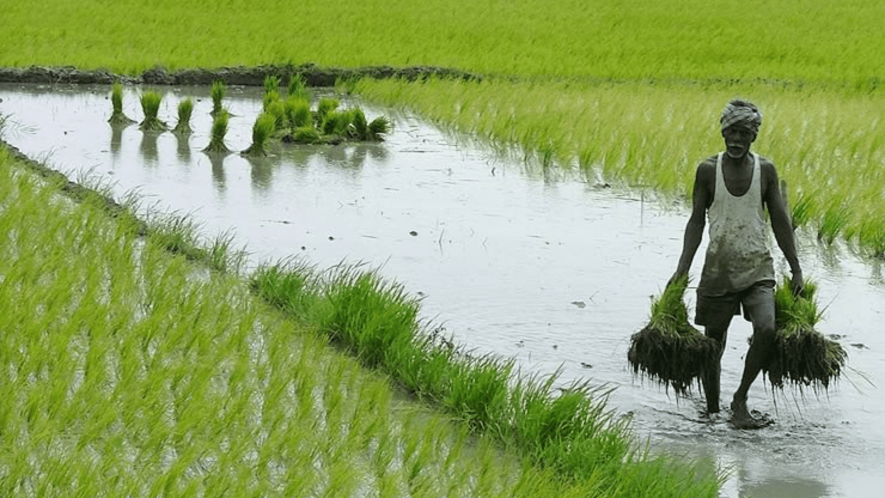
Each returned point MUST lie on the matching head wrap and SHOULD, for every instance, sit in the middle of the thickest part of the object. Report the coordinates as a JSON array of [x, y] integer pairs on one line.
[[741, 112]]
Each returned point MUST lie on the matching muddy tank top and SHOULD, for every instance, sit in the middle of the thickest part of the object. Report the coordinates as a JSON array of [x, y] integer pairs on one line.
[[738, 254]]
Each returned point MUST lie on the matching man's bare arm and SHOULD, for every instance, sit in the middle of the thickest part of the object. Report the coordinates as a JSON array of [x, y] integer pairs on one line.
[[781, 224], [702, 196]]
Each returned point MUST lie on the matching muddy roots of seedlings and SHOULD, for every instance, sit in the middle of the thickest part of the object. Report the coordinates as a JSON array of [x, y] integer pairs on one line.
[[117, 116], [802, 356], [150, 105], [219, 130], [185, 109], [669, 350]]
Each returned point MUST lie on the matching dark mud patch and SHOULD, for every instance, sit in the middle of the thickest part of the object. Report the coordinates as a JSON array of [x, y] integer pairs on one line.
[[313, 75]]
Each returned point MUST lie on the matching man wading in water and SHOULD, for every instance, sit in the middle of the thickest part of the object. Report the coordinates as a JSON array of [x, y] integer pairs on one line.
[[733, 188]]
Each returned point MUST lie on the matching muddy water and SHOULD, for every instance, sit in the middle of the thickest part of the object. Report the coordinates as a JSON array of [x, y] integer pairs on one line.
[[554, 271]]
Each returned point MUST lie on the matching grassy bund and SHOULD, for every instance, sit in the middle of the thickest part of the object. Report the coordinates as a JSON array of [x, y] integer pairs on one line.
[[124, 357]]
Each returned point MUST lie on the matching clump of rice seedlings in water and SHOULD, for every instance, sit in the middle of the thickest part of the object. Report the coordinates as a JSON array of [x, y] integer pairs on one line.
[[360, 126], [306, 135], [297, 88], [118, 117], [261, 131], [219, 130], [278, 110], [669, 350], [150, 105], [271, 84], [802, 355], [337, 123], [297, 111], [324, 107], [185, 109], [217, 92], [378, 127]]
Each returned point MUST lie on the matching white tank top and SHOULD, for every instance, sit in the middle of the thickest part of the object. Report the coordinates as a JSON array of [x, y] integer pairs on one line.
[[738, 254]]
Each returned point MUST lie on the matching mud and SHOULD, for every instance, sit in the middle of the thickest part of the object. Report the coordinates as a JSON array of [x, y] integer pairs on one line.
[[314, 76]]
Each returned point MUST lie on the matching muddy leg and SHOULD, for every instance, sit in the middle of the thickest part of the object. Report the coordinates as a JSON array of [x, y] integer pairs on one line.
[[710, 379], [762, 315]]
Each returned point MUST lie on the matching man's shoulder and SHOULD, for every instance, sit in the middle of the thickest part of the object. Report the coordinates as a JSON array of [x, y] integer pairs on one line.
[[709, 163]]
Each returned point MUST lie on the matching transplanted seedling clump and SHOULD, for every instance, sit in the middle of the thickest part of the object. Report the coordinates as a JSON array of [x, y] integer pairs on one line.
[[219, 130], [150, 105], [185, 109], [261, 131], [118, 117]]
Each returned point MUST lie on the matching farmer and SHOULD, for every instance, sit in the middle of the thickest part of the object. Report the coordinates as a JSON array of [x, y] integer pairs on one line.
[[733, 188]]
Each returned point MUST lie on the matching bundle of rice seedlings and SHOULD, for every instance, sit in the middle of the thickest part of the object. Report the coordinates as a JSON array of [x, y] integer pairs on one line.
[[261, 131], [802, 355], [219, 130], [360, 127], [337, 123], [217, 92], [271, 83], [669, 349], [117, 116], [185, 109], [297, 88], [378, 127], [306, 135], [324, 107], [297, 111], [150, 105]]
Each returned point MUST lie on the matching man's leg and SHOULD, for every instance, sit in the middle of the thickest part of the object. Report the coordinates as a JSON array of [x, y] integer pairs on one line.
[[759, 304], [710, 379]]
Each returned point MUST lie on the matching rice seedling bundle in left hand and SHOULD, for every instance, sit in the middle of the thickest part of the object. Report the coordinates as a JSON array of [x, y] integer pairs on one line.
[[802, 355], [669, 350]]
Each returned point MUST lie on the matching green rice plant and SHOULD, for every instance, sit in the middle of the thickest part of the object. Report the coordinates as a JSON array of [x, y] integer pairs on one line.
[[306, 135], [297, 111], [118, 116], [360, 128], [269, 98], [835, 219], [185, 109], [271, 84], [297, 88], [219, 130], [324, 107], [336, 123], [379, 127], [150, 105], [217, 92], [669, 350], [802, 355], [278, 111], [262, 130]]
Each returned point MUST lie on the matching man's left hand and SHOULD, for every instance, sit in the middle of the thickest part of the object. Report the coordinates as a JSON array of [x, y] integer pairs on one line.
[[797, 283]]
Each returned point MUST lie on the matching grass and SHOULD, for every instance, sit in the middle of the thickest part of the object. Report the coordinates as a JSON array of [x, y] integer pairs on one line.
[[131, 370], [669, 350], [570, 433]]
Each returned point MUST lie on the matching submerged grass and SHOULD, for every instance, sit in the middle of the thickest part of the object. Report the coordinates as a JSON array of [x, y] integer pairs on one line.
[[570, 433], [802, 355], [132, 371], [669, 350]]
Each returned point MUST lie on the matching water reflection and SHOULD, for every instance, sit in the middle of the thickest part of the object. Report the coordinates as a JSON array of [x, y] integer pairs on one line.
[[117, 137], [262, 168], [219, 179], [783, 488], [148, 147], [183, 147]]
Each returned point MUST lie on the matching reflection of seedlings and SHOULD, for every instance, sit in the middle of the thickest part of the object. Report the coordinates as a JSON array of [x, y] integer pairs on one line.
[[219, 130], [217, 93], [118, 117], [183, 147], [150, 105], [116, 138], [185, 109], [261, 131], [148, 147]]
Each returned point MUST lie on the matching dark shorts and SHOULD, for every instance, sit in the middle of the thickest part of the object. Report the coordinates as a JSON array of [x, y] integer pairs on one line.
[[717, 311]]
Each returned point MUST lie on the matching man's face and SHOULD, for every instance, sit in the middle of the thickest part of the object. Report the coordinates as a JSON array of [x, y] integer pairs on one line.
[[738, 138]]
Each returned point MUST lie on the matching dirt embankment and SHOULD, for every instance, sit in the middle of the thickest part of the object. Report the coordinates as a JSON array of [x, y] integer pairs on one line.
[[313, 75]]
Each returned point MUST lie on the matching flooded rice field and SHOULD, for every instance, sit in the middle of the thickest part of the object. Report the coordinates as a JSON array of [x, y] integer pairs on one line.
[[549, 269]]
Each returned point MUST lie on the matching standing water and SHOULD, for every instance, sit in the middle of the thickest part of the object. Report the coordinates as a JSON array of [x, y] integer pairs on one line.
[[546, 268]]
